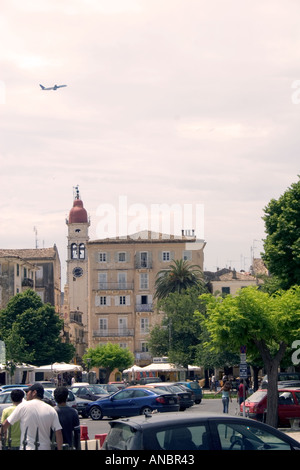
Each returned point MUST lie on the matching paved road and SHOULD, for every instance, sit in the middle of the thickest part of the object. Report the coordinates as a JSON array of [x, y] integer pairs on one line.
[[214, 405]]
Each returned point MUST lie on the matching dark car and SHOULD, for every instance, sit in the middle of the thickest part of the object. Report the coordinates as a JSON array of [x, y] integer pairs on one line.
[[288, 405], [184, 395], [111, 388], [190, 431], [196, 390], [82, 407], [285, 379], [148, 380], [89, 392], [133, 401]]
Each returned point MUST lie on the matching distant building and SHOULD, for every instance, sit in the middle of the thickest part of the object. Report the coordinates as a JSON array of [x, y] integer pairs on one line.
[[229, 281], [109, 296], [38, 269]]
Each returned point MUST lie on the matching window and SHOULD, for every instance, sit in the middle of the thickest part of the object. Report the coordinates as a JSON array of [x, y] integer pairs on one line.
[[102, 300], [178, 438], [122, 324], [74, 254], [121, 257], [144, 281], [18, 270], [144, 346], [166, 256], [122, 300], [187, 255], [39, 273], [144, 325], [102, 280], [81, 251], [103, 325], [122, 278], [248, 437], [225, 290], [102, 257], [144, 259]]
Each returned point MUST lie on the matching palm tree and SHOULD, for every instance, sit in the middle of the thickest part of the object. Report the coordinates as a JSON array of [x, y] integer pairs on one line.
[[176, 278]]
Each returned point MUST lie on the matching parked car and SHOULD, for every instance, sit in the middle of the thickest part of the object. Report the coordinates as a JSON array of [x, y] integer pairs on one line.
[[71, 400], [119, 385], [133, 401], [82, 407], [5, 400], [148, 380], [184, 395], [191, 431], [3, 388], [285, 379], [288, 405], [89, 392], [195, 388], [111, 388]]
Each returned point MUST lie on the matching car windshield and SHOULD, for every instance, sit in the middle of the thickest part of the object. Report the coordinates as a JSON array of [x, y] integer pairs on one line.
[[257, 396], [194, 385], [96, 389]]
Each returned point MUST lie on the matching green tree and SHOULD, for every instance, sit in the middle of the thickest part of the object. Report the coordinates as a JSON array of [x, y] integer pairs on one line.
[[32, 330], [178, 335], [282, 244], [110, 356], [179, 276], [262, 322]]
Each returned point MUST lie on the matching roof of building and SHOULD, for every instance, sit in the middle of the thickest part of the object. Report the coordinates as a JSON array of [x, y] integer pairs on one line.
[[78, 214], [146, 236], [30, 254]]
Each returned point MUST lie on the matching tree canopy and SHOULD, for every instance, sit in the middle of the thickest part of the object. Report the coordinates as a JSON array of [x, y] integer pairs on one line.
[[261, 322], [32, 330], [282, 244], [177, 277], [110, 356]]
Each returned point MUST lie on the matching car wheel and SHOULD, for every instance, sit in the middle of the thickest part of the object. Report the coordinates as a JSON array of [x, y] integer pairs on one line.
[[146, 410], [198, 402], [96, 413]]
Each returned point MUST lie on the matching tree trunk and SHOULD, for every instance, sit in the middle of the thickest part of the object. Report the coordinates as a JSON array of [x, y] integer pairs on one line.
[[272, 366]]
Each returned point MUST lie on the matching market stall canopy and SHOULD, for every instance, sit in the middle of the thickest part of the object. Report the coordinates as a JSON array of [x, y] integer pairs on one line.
[[162, 366], [133, 368], [59, 367]]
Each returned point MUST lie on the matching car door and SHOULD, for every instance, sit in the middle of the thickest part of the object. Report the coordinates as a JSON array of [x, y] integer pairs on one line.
[[287, 407], [120, 404]]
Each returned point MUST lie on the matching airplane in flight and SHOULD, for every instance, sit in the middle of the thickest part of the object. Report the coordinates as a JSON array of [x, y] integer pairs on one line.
[[52, 88]]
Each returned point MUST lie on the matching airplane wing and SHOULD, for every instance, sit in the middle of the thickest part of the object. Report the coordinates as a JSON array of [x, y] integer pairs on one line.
[[44, 88], [59, 86]]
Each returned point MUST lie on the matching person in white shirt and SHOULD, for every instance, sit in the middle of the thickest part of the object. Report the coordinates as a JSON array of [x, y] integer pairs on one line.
[[34, 414]]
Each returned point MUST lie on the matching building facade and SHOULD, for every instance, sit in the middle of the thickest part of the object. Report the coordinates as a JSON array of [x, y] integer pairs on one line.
[[37, 269], [109, 296]]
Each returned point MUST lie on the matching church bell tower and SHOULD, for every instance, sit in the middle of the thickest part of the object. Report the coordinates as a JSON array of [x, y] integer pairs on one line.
[[77, 274]]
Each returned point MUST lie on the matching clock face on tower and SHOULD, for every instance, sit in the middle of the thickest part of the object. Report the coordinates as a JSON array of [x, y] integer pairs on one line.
[[77, 272]]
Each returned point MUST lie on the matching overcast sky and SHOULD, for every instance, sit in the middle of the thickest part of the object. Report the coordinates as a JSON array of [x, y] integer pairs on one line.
[[182, 103]]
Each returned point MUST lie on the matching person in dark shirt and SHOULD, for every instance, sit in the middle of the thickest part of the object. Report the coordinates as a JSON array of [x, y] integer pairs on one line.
[[68, 418]]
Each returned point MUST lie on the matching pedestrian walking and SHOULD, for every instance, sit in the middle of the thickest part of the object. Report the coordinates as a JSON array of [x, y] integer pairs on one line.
[[37, 421], [226, 394], [242, 392], [17, 396], [68, 418]]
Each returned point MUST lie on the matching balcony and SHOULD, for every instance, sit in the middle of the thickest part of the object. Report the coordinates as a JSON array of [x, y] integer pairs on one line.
[[144, 307], [113, 332], [27, 282], [114, 286]]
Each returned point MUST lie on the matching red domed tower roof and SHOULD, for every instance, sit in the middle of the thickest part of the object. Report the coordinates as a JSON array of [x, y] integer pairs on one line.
[[78, 214]]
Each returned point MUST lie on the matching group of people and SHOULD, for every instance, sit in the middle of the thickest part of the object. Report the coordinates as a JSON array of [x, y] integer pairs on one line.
[[225, 390], [33, 421]]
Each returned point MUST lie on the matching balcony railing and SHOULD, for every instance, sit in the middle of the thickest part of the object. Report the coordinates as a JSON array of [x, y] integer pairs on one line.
[[115, 286], [144, 307], [27, 282], [113, 332]]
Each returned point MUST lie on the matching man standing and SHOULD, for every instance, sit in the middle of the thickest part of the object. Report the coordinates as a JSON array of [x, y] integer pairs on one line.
[[17, 396], [37, 420], [68, 418]]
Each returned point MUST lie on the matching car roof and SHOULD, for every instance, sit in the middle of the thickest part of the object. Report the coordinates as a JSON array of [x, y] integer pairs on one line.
[[169, 418]]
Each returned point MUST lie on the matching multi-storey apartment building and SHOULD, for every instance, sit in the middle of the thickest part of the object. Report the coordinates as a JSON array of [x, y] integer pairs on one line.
[[38, 269], [122, 273], [109, 294]]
